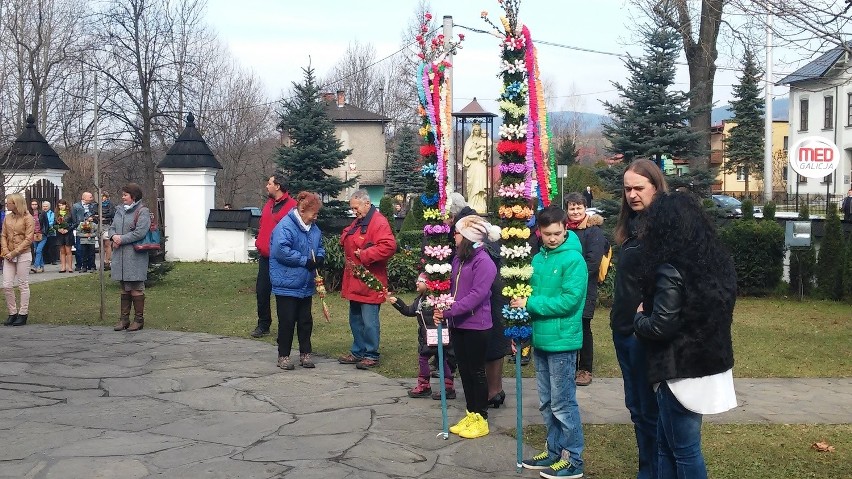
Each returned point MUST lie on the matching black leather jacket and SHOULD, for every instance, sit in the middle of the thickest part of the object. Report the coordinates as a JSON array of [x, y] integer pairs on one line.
[[628, 283], [681, 340]]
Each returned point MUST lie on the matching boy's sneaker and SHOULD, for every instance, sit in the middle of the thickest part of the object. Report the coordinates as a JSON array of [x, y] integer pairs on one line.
[[284, 363], [538, 462], [457, 427], [478, 427], [562, 469]]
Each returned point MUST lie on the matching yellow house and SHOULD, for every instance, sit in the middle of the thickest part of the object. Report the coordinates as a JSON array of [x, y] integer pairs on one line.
[[735, 182]]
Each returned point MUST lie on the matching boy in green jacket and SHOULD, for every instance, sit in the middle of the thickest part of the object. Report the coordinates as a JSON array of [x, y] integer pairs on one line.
[[555, 307]]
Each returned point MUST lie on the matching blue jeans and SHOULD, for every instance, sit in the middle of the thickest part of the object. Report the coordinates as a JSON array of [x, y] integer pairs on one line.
[[640, 400], [38, 246], [554, 375], [364, 322], [679, 439]]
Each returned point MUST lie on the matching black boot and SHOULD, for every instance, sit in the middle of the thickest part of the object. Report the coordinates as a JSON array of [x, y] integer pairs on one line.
[[11, 320], [22, 320]]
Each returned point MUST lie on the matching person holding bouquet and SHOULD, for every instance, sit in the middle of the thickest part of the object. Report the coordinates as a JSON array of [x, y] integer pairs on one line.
[[295, 253], [469, 318], [64, 236], [87, 234], [15, 242]]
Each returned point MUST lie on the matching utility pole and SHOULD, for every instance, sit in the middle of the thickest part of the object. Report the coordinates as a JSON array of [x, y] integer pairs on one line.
[[451, 160], [767, 134]]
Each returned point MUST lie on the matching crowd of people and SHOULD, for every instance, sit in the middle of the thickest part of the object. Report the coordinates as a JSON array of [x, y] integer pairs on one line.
[[674, 295]]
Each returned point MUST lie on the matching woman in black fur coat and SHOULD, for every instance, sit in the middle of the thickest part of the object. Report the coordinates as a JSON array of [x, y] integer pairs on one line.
[[685, 323]]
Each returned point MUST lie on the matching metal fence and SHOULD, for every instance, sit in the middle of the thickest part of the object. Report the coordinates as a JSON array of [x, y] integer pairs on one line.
[[791, 201]]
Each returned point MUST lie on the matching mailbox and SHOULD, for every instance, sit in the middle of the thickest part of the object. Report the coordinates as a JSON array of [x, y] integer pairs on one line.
[[798, 234]]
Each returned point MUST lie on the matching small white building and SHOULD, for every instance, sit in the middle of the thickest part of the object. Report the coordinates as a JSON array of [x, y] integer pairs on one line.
[[32, 167], [821, 105]]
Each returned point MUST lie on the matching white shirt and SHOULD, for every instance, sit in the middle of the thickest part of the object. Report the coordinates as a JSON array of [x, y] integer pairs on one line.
[[712, 394]]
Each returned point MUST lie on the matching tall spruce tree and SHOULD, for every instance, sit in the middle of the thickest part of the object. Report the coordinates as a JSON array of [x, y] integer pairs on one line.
[[314, 150], [403, 175], [566, 151], [744, 146], [652, 121]]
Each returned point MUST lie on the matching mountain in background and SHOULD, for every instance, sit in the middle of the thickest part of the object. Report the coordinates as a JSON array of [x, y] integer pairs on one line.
[[780, 111], [589, 122]]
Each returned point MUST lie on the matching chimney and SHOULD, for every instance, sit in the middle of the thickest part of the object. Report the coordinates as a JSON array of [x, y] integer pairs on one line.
[[341, 99], [328, 97]]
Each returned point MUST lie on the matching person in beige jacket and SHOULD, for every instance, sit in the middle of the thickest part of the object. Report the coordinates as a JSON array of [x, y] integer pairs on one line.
[[15, 241]]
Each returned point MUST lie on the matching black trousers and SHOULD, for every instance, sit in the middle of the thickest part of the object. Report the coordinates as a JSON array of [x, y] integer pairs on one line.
[[587, 351], [470, 346], [294, 313], [49, 251], [263, 287]]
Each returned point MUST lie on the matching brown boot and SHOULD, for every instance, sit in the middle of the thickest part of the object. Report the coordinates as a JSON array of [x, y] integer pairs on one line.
[[139, 313], [124, 320]]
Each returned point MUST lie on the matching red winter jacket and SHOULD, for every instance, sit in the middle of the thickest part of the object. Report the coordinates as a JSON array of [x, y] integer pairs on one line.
[[272, 213], [374, 237]]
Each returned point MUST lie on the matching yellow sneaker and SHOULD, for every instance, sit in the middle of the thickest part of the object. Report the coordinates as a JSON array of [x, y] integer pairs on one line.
[[457, 428], [476, 428]]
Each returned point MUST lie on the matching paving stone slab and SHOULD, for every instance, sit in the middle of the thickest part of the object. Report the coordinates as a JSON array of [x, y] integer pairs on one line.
[[194, 452], [393, 459], [96, 468], [76, 368], [118, 443], [228, 428], [293, 448], [357, 420], [23, 400], [219, 399], [33, 439], [119, 414], [230, 469]]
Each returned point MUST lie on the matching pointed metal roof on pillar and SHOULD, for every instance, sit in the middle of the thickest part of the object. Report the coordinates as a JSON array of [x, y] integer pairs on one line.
[[474, 110], [31, 152], [190, 150]]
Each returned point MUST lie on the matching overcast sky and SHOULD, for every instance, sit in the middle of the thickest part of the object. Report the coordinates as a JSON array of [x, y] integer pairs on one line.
[[276, 38]]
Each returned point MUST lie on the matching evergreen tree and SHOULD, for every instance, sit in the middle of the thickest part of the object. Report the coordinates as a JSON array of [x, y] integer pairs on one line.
[[832, 260], [744, 146], [566, 151], [403, 176], [314, 150], [652, 121]]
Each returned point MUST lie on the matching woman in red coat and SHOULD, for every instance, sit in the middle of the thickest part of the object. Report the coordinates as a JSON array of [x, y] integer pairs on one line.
[[368, 241]]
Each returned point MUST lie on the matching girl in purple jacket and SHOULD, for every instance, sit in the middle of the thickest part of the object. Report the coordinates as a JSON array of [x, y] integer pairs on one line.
[[469, 318]]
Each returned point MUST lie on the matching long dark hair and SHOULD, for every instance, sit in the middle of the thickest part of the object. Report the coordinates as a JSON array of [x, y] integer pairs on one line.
[[650, 170], [465, 249], [677, 231]]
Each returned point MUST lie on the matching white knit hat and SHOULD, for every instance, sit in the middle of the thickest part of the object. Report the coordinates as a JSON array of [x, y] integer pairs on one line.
[[477, 229]]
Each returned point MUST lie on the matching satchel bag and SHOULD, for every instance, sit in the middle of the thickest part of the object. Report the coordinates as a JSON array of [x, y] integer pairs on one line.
[[432, 334], [151, 241]]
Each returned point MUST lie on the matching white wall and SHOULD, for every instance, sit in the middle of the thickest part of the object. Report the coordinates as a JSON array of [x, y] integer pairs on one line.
[[189, 197], [18, 180], [228, 246]]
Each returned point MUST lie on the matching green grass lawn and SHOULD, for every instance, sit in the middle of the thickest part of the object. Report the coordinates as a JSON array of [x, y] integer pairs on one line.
[[730, 451], [772, 337]]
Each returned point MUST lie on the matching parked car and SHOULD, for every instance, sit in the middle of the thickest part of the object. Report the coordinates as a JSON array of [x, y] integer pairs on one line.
[[730, 206]]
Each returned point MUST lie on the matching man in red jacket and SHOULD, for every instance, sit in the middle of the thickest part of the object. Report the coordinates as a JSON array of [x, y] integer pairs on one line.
[[368, 241], [277, 206]]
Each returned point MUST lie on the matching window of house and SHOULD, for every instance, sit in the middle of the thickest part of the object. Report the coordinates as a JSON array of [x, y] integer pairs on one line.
[[849, 109], [786, 144], [803, 114], [741, 173], [802, 179], [828, 113]]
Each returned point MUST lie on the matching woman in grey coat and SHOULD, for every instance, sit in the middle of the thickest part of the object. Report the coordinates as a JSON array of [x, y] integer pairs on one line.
[[130, 267]]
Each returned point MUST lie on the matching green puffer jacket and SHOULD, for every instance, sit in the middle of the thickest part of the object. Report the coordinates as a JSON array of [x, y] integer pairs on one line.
[[558, 283]]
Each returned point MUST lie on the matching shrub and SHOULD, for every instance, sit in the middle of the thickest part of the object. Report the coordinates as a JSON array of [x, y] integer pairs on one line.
[[386, 207], [758, 252], [412, 240], [332, 270], [403, 269], [829, 269], [414, 219], [804, 212], [157, 271], [769, 210], [606, 290], [847, 275], [802, 267], [748, 209]]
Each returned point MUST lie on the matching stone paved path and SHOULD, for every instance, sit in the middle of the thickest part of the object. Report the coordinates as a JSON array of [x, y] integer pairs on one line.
[[84, 402]]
